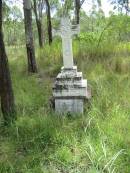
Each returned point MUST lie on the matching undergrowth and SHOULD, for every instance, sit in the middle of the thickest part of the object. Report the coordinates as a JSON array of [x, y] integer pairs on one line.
[[42, 142]]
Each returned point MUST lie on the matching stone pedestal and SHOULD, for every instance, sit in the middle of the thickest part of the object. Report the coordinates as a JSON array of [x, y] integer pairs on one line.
[[70, 91]]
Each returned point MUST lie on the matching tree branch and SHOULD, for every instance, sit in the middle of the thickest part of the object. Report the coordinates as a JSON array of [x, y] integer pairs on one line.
[[81, 3]]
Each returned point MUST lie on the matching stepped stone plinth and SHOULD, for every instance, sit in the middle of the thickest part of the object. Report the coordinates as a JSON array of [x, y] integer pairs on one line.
[[70, 91]]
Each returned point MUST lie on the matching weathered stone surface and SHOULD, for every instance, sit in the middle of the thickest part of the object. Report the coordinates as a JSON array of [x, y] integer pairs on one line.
[[69, 105], [66, 32], [70, 89]]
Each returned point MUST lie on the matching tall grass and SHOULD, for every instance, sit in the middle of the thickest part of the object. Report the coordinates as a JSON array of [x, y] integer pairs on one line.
[[42, 142]]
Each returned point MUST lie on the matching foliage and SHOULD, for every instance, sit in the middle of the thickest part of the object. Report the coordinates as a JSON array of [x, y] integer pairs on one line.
[[40, 141], [96, 142], [121, 5]]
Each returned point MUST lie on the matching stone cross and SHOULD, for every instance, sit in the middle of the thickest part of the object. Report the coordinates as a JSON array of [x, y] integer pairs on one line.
[[66, 32]]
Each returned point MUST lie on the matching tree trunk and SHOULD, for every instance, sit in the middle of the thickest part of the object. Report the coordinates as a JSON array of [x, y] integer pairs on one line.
[[39, 25], [32, 67], [49, 25], [40, 32], [6, 91], [127, 7], [77, 11]]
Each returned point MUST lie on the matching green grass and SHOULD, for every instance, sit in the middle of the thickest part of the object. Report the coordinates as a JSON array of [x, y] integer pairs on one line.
[[42, 142]]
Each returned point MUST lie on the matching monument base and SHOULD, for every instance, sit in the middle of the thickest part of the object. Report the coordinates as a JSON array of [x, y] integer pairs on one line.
[[69, 105], [69, 91]]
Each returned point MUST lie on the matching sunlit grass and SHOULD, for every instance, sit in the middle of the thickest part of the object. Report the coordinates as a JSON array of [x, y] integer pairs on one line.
[[42, 142]]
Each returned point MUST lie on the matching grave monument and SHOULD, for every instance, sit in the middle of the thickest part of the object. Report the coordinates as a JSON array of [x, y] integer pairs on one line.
[[70, 89]]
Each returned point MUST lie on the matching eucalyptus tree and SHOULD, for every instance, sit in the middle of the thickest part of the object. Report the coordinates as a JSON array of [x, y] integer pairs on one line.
[[41, 7], [49, 23], [13, 21], [38, 6], [73, 5], [51, 6], [27, 5], [121, 5], [78, 5], [6, 91]]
